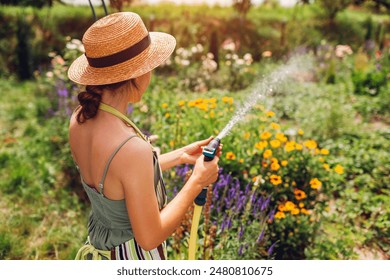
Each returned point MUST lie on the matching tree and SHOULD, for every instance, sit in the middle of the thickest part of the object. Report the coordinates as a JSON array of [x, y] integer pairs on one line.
[[242, 6], [332, 7], [118, 4]]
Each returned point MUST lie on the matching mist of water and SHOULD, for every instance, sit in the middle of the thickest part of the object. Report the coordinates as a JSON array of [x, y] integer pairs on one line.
[[265, 87]]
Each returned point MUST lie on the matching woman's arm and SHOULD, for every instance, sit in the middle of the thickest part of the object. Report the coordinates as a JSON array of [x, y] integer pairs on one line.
[[188, 154], [150, 226]]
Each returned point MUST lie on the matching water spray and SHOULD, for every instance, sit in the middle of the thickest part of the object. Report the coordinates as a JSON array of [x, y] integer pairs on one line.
[[264, 88]]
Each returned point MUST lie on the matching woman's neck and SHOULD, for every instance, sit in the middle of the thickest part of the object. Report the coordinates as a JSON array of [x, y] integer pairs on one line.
[[117, 100]]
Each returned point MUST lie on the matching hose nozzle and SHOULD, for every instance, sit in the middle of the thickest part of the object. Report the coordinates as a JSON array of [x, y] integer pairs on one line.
[[211, 149]]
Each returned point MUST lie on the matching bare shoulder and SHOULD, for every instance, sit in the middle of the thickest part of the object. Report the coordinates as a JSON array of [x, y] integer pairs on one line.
[[134, 162]]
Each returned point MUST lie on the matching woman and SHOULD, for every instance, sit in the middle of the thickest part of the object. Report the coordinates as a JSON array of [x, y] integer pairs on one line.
[[120, 171]]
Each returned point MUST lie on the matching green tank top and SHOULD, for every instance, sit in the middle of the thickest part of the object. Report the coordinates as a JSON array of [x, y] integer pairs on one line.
[[109, 224]]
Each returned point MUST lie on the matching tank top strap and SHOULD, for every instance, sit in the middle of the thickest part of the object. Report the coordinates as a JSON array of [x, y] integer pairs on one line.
[[125, 119], [101, 183]]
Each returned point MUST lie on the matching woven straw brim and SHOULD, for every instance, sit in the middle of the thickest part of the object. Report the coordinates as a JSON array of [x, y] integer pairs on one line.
[[161, 47]]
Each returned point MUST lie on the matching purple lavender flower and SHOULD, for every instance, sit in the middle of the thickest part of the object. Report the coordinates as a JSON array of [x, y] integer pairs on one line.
[[240, 250], [261, 236], [270, 250], [241, 232], [272, 215], [265, 204]]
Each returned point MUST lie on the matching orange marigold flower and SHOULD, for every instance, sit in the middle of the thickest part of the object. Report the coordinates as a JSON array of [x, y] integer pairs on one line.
[[275, 126], [191, 104], [339, 169], [281, 207], [300, 132], [275, 166], [275, 180], [284, 162], [299, 194], [281, 137], [301, 204], [326, 166], [181, 103], [305, 211], [265, 135], [315, 183], [280, 215], [310, 144], [289, 205], [164, 105], [290, 146], [275, 143], [247, 135], [274, 160], [324, 151], [270, 114], [230, 156], [298, 147], [261, 145], [295, 211], [267, 153]]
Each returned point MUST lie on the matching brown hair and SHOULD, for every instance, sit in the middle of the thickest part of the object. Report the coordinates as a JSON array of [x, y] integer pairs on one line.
[[90, 99]]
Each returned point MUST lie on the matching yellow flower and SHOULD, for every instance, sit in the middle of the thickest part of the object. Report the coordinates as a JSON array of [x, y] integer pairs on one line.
[[280, 215], [275, 126], [198, 101], [301, 204], [261, 145], [213, 106], [284, 162], [265, 135], [275, 166], [227, 100], [203, 106], [230, 156], [181, 103], [247, 135], [281, 207], [212, 114], [299, 195], [315, 183], [289, 205], [281, 137], [167, 115], [324, 152], [300, 132], [275, 180], [241, 160], [339, 169], [275, 143], [304, 211], [326, 166], [267, 153], [290, 146], [310, 144], [270, 114], [164, 105], [191, 104], [273, 160], [295, 211], [172, 143]]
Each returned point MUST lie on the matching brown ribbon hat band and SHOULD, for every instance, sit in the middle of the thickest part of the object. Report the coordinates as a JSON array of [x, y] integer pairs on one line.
[[119, 57]]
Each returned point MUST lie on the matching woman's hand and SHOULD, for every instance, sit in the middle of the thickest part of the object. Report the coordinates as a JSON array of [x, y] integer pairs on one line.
[[193, 151]]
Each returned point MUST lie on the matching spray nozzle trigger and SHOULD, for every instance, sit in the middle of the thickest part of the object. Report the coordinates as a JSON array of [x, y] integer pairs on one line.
[[211, 149]]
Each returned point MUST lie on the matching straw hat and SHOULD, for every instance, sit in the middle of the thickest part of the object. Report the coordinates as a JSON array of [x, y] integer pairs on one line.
[[118, 47]]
